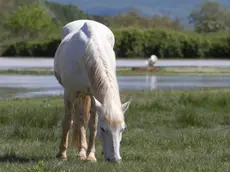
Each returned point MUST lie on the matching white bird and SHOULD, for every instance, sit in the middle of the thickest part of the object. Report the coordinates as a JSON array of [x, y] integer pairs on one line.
[[152, 60]]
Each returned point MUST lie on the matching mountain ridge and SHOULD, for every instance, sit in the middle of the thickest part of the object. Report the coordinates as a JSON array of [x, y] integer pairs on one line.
[[173, 9]]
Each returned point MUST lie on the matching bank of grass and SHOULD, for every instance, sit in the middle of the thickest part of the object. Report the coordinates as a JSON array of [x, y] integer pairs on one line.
[[178, 71], [129, 72], [28, 71], [7, 92], [166, 131]]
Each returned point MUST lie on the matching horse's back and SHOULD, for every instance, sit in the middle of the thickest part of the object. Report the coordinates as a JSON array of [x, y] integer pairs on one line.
[[77, 25], [78, 53], [68, 61]]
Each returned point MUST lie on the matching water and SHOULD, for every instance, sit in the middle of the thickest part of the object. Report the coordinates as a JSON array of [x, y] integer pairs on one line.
[[13, 63], [48, 85]]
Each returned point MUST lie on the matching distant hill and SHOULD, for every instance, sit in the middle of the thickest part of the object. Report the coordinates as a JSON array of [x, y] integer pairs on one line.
[[60, 13], [63, 13], [172, 8], [10, 5]]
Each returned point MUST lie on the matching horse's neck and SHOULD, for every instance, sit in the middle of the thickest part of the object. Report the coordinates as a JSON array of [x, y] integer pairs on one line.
[[103, 80], [101, 73], [109, 92], [111, 105]]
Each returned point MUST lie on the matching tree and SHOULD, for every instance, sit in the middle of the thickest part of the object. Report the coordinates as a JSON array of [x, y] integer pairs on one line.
[[29, 21], [210, 16], [66, 13], [133, 18]]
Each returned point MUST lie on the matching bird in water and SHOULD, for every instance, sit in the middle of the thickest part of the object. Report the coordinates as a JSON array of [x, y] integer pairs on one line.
[[152, 60]]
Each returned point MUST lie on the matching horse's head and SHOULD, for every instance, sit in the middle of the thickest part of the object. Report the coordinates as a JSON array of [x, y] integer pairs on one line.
[[110, 131]]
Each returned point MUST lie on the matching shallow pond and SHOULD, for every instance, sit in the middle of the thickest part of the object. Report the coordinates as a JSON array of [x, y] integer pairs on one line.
[[48, 85]]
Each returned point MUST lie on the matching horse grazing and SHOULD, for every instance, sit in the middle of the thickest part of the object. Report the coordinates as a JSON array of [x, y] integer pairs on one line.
[[105, 32], [85, 65], [77, 24]]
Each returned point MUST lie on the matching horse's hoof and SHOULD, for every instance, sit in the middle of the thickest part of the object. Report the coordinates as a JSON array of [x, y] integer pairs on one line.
[[61, 156], [91, 157], [82, 155], [82, 158]]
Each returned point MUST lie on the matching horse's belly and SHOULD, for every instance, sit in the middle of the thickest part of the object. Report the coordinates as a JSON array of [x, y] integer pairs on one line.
[[75, 79]]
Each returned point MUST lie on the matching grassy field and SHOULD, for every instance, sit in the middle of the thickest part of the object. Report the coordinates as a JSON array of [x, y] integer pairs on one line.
[[166, 131], [128, 71]]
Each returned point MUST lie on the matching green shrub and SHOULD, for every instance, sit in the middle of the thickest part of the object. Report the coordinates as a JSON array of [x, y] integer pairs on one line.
[[132, 42], [32, 49]]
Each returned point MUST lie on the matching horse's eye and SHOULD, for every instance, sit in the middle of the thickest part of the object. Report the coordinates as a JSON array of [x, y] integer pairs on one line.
[[123, 129], [102, 129]]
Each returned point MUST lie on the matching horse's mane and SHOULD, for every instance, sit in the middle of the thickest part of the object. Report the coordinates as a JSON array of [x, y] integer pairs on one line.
[[102, 75]]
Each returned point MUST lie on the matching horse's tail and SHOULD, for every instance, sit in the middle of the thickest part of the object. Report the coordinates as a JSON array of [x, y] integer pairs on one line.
[[76, 133]]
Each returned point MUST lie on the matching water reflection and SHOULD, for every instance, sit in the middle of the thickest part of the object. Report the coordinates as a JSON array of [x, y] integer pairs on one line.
[[48, 85], [186, 82], [151, 81]]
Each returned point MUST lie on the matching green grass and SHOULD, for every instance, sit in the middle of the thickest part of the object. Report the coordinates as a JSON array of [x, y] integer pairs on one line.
[[130, 72], [29, 71], [166, 131]]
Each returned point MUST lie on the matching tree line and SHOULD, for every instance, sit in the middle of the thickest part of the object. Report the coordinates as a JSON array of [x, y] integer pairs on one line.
[[140, 43], [209, 16]]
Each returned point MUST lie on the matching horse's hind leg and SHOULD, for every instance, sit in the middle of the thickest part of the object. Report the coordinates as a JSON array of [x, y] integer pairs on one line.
[[87, 107], [66, 124], [80, 123], [93, 130], [84, 115]]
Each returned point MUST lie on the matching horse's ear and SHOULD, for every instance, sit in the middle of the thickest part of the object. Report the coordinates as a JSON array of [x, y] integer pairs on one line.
[[97, 103], [125, 106]]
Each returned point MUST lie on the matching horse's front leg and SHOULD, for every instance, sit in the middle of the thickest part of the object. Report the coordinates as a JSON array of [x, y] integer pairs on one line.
[[66, 125], [93, 130]]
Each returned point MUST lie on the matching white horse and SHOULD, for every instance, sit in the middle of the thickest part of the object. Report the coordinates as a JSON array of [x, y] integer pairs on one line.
[[85, 65], [105, 32], [77, 24]]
